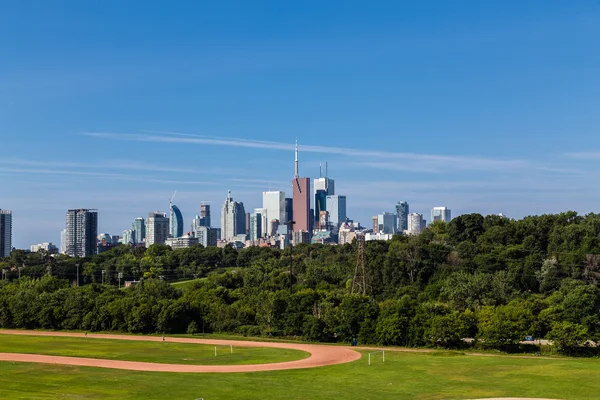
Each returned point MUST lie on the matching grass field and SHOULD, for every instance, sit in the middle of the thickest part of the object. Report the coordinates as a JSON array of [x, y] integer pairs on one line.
[[402, 376], [159, 352]]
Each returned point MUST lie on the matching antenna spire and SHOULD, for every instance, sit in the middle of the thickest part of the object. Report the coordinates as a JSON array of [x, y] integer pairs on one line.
[[326, 170], [296, 162], [320, 170]]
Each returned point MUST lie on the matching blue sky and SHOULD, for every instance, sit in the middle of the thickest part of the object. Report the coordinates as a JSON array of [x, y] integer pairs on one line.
[[482, 106]]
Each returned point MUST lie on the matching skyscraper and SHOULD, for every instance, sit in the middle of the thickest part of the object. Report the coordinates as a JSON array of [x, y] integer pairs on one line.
[[274, 204], [157, 228], [207, 236], [175, 222], [301, 200], [336, 206], [415, 223], [402, 213], [387, 223], [324, 183], [5, 233], [138, 230], [82, 231], [256, 226], [289, 210], [204, 214], [441, 214], [320, 202], [233, 218]]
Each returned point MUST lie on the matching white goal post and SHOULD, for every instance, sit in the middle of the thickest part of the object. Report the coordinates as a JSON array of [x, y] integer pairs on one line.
[[376, 352]]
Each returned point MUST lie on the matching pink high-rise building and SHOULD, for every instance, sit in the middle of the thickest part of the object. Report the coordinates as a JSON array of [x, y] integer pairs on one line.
[[300, 200]]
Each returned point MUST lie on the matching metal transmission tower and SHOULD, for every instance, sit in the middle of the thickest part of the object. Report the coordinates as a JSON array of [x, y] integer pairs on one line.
[[360, 283]]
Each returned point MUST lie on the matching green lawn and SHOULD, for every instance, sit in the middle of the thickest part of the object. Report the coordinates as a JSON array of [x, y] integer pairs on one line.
[[174, 353], [403, 376]]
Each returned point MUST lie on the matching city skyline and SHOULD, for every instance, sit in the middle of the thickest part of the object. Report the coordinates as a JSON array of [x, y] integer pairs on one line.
[[432, 103]]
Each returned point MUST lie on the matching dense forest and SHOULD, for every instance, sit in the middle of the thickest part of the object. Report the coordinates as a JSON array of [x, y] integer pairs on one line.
[[489, 278]]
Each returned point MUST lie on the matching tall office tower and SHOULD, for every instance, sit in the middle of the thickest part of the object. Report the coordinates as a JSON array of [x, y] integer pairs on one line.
[[204, 214], [301, 200], [5, 233], [320, 202], [336, 206], [324, 183], [138, 230], [206, 235], [256, 225], [415, 223], [233, 218], [274, 204], [82, 231], [289, 210], [63, 241], [175, 222], [387, 223], [247, 223], [402, 212], [441, 214], [157, 228], [127, 236]]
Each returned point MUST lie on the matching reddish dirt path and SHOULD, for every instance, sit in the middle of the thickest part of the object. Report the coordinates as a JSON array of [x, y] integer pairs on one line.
[[320, 355]]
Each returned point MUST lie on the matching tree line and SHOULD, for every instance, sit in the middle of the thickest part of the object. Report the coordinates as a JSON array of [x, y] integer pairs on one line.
[[489, 278]]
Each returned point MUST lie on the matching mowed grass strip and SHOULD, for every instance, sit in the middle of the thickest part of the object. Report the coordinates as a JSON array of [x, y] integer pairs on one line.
[[157, 352], [402, 376]]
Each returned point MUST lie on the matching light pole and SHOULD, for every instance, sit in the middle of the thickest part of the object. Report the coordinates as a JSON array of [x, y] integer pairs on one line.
[[290, 232]]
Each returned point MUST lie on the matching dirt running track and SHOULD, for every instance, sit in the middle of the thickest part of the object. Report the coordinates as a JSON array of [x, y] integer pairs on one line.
[[320, 355]]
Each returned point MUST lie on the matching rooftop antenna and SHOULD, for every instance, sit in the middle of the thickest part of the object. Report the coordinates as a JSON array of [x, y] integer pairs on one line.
[[320, 170], [326, 170], [296, 162]]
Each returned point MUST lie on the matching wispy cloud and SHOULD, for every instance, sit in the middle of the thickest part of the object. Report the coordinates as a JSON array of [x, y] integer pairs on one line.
[[423, 162], [590, 155], [124, 165]]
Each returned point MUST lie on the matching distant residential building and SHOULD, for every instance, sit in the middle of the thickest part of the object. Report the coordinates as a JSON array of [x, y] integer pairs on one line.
[[46, 246], [138, 228], [182, 242], [346, 233], [441, 214], [175, 222], [206, 236], [247, 224], [256, 226], [273, 202], [402, 213], [301, 237], [415, 224], [127, 236], [378, 236], [5, 233], [63, 241], [205, 215], [157, 228], [105, 246], [386, 223], [104, 237], [82, 232], [233, 218], [336, 206], [375, 224]]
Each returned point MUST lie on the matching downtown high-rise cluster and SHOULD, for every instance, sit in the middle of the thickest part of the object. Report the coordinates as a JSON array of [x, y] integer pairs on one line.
[[315, 213]]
